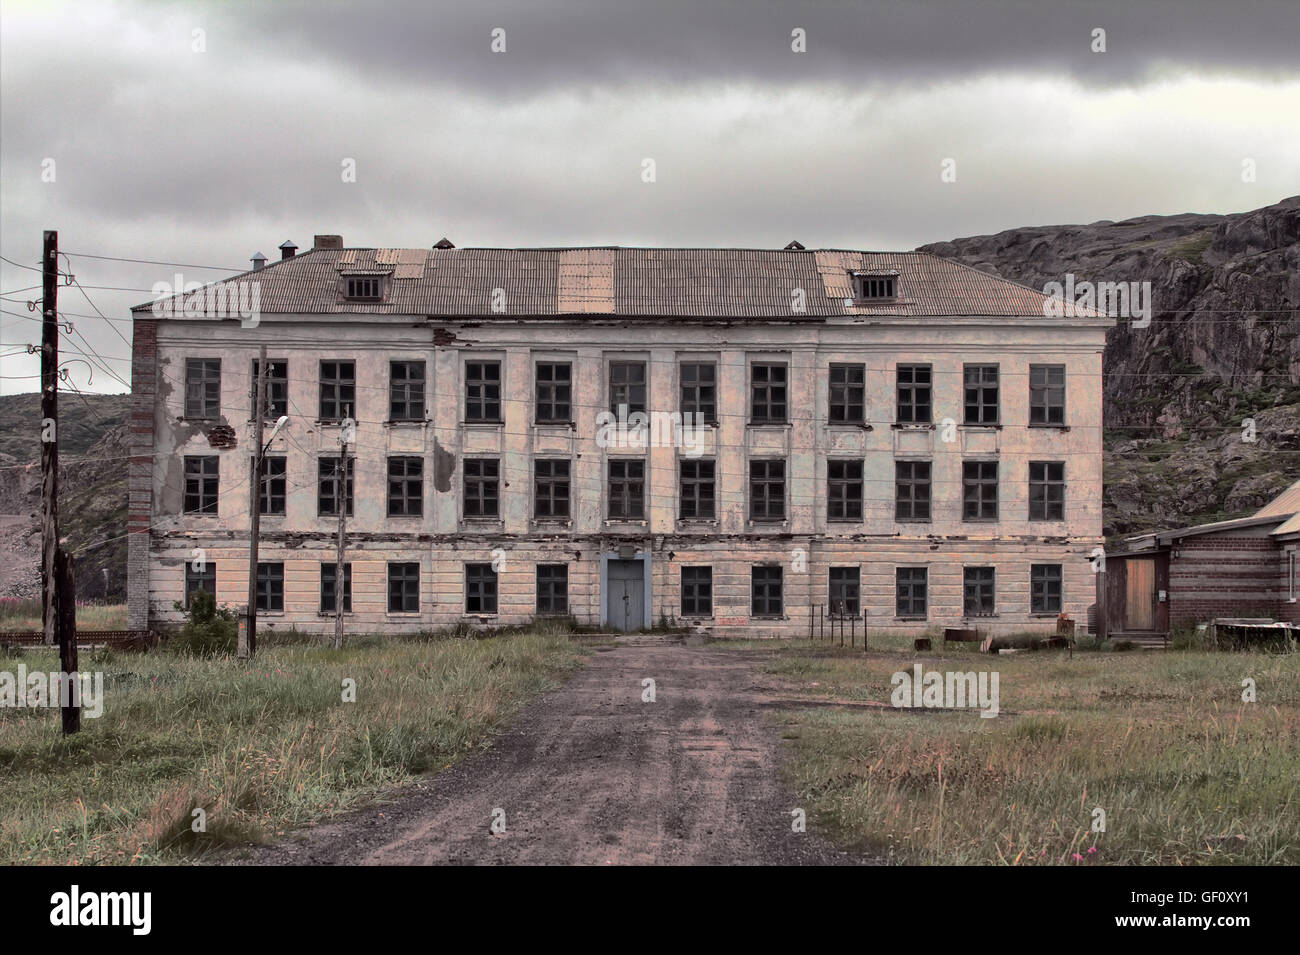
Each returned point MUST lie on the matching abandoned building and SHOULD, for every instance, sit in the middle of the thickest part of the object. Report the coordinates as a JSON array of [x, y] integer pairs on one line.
[[1244, 567], [741, 440]]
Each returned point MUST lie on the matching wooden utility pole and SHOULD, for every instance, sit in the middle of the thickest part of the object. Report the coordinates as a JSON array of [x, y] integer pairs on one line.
[[67, 616], [341, 504], [248, 636], [49, 435]]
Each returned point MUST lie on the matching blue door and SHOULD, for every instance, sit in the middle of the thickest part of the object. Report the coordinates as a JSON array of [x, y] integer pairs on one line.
[[625, 595]]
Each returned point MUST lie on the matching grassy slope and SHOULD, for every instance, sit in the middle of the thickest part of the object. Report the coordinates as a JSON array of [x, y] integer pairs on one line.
[[1161, 741], [261, 747], [81, 423]]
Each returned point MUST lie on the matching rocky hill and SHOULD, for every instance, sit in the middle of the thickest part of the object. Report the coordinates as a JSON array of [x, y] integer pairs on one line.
[[1222, 349]]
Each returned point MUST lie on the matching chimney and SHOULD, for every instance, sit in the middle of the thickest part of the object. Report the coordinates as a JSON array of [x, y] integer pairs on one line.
[[334, 242], [259, 260], [287, 249]]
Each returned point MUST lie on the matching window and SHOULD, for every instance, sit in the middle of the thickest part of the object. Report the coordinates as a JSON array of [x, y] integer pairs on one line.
[[697, 591], [329, 587], [480, 589], [981, 394], [767, 490], [848, 394], [914, 394], [911, 490], [482, 479], [363, 288], [551, 490], [627, 386], [1046, 491], [404, 588], [277, 388], [338, 390], [979, 490], [844, 490], [700, 390], [554, 392], [766, 592], [552, 588], [201, 482], [845, 591], [327, 486], [767, 393], [271, 500], [910, 591], [875, 286], [405, 487], [1045, 588], [270, 587], [203, 387], [406, 391], [698, 490], [626, 489], [483, 391], [977, 591], [203, 579], [1047, 394]]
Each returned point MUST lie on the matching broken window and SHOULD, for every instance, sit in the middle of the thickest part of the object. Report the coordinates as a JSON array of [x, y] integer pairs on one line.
[[203, 388], [270, 587], [844, 490], [406, 391], [405, 487], [979, 485], [697, 591], [1047, 394], [404, 587], [767, 393], [914, 394], [626, 489], [981, 393], [1045, 588], [551, 489], [329, 587], [480, 589], [910, 585], [848, 394], [552, 588], [627, 386], [766, 597], [338, 390], [201, 483], [1046, 490], [977, 591], [698, 490], [554, 392], [483, 392], [482, 487], [767, 490], [911, 490]]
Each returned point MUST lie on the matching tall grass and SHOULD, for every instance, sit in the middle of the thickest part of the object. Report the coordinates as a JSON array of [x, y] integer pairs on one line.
[[260, 748], [20, 613]]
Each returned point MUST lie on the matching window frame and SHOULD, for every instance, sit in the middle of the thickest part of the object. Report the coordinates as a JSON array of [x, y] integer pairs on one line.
[[851, 576], [1051, 506], [349, 484], [550, 589], [546, 392], [403, 577], [195, 580], [768, 482], [333, 390], [840, 394], [696, 403], [700, 605], [907, 393], [482, 477], [208, 487], [911, 577], [768, 387], [627, 388], [696, 483], [551, 482], [277, 388], [626, 482], [270, 586], [981, 387], [912, 483], [983, 588], [407, 393], [268, 495], [778, 577], [407, 481], [1045, 595], [973, 491], [1042, 393], [477, 391], [481, 576], [839, 491], [203, 375], [347, 586]]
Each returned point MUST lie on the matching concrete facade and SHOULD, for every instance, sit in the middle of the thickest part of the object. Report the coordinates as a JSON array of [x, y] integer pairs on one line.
[[442, 540]]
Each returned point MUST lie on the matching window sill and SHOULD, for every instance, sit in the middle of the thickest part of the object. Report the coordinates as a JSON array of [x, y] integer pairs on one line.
[[912, 619], [849, 426], [1045, 614], [772, 618], [913, 520], [571, 425], [405, 422], [404, 517], [483, 521], [913, 426], [1050, 427], [403, 614], [483, 425], [557, 523], [978, 426], [626, 522], [767, 424], [329, 614], [698, 521]]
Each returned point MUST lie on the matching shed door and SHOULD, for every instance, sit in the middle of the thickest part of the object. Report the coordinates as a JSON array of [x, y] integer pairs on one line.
[[1141, 608]]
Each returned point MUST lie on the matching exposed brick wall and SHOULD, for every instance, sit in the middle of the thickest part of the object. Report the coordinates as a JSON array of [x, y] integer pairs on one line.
[[144, 384], [1225, 577]]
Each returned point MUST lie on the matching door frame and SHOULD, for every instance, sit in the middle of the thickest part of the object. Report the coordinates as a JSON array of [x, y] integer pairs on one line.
[[605, 558]]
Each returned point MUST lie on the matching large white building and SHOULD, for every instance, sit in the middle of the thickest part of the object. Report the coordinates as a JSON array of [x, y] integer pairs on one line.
[[884, 435]]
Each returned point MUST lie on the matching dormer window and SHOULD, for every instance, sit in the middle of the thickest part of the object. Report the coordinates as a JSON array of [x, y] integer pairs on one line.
[[875, 286], [363, 288]]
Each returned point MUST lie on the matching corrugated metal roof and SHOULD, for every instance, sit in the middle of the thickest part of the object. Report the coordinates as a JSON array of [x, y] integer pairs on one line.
[[704, 283], [1286, 503]]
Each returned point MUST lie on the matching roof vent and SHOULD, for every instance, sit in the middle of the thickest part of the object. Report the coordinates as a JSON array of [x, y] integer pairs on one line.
[[443, 243], [334, 242], [287, 249], [258, 260], [794, 246]]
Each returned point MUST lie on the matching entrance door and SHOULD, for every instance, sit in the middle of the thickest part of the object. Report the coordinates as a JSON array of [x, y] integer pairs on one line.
[[625, 596], [1141, 607]]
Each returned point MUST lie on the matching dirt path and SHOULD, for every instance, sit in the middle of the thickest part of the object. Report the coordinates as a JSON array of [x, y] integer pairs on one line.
[[590, 774]]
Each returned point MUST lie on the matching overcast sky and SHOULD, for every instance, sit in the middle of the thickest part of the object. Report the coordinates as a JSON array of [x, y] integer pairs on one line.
[[203, 132]]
